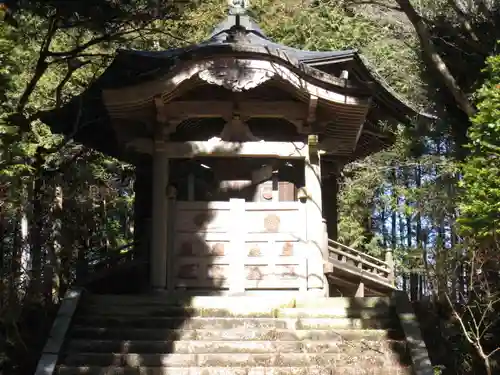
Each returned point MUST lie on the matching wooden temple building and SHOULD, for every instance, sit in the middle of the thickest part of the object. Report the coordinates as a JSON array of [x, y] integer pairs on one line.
[[238, 143]]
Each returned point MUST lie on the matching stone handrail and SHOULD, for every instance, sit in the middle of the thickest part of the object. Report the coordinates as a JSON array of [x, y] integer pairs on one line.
[[94, 264], [50, 353], [365, 262]]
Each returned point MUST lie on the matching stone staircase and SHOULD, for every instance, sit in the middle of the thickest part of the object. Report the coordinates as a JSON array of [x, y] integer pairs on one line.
[[157, 335]]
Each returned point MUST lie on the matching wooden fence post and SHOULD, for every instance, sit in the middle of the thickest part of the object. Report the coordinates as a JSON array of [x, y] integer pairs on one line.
[[390, 261]]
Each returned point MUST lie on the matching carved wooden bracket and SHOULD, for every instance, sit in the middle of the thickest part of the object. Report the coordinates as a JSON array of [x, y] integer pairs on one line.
[[236, 74], [237, 130], [162, 117], [311, 114], [313, 145]]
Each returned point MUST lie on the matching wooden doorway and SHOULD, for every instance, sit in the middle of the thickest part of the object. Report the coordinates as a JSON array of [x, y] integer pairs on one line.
[[222, 179], [233, 233], [237, 246]]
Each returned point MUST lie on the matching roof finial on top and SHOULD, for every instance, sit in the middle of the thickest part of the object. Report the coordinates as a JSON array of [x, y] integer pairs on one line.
[[238, 7]]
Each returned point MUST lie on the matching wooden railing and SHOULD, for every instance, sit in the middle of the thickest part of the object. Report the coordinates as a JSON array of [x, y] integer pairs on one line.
[[342, 254]]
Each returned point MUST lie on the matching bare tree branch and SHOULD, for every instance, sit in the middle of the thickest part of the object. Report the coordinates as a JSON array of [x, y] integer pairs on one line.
[[103, 38], [432, 54], [40, 67]]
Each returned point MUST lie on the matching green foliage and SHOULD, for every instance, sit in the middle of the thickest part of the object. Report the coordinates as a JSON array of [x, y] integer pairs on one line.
[[412, 185], [481, 171]]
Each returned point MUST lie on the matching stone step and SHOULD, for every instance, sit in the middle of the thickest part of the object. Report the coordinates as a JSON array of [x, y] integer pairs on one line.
[[180, 323], [157, 310], [194, 346], [229, 323], [173, 311], [250, 303], [342, 370], [244, 335], [237, 334], [163, 299], [370, 357]]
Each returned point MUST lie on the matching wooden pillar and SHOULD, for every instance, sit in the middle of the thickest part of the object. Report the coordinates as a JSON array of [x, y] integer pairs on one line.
[[360, 290], [315, 231], [158, 257], [142, 207], [238, 230], [315, 226], [171, 204], [330, 203], [275, 187]]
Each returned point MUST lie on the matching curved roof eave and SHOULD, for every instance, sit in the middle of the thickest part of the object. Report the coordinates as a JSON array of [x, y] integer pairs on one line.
[[185, 58], [386, 92], [256, 41], [288, 56], [310, 62], [403, 110]]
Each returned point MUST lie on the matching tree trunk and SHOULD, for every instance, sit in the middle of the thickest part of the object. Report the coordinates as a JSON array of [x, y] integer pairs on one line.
[[409, 242], [36, 227], [433, 56], [56, 258], [16, 262], [413, 274], [402, 236], [25, 254], [368, 226], [418, 233], [394, 217], [3, 232]]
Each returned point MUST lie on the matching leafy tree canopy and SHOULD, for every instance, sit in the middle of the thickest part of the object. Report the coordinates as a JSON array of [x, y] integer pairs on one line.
[[481, 201]]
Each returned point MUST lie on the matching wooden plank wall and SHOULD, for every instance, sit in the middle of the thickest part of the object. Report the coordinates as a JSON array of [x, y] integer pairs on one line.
[[239, 245]]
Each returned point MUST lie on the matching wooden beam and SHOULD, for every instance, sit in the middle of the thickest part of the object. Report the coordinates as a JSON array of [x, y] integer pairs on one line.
[[178, 150], [294, 110], [352, 285]]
